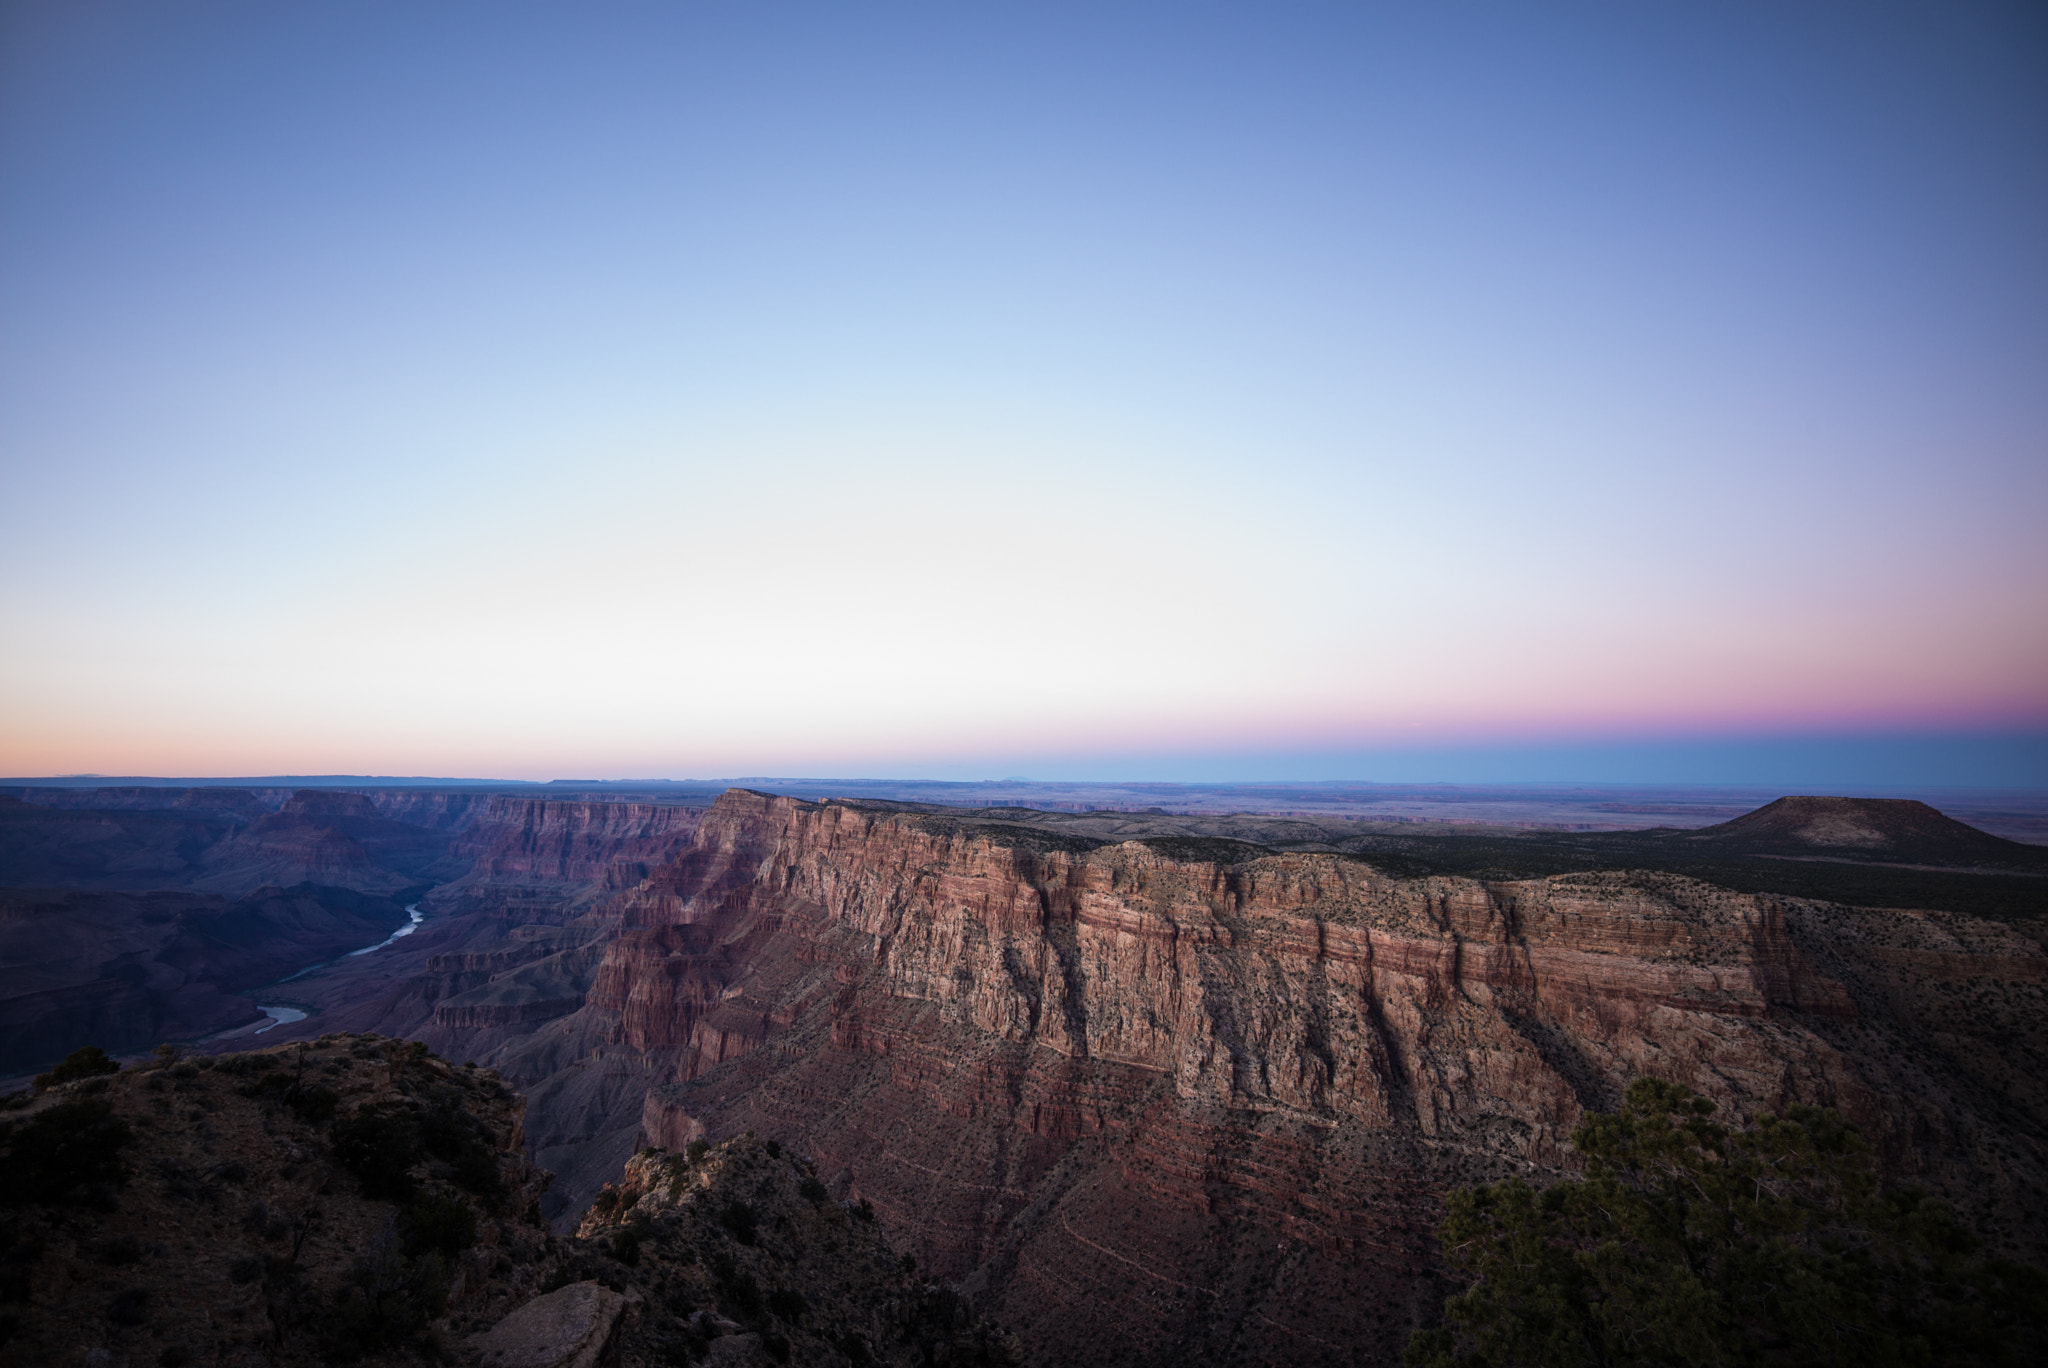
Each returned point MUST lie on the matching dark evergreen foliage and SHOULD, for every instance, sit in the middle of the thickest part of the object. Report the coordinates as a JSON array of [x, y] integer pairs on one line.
[[88, 1061], [380, 1148], [53, 1154], [1692, 1242]]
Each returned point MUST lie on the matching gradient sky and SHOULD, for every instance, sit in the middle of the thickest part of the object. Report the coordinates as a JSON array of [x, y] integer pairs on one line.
[[1180, 390]]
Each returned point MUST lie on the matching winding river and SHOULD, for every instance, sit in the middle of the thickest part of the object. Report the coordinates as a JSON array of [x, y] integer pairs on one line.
[[283, 1016]]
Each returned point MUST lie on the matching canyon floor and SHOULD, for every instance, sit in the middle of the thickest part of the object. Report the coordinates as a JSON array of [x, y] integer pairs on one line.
[[1148, 1086]]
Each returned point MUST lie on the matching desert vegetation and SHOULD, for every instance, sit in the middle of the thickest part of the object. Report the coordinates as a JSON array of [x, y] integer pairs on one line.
[[1691, 1241]]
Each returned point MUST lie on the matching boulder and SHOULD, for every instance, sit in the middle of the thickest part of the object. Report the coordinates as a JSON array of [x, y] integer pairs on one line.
[[568, 1328]]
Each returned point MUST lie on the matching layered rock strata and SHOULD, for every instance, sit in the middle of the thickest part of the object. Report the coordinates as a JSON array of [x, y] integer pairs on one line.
[[1182, 1098], [1226, 1095], [527, 848]]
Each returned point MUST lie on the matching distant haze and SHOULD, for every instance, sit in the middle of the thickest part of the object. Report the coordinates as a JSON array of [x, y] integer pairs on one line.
[[1476, 393]]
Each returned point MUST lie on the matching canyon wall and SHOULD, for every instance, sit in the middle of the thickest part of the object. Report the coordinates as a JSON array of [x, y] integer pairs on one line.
[[526, 844], [1162, 1108], [1178, 1099], [434, 809], [239, 802]]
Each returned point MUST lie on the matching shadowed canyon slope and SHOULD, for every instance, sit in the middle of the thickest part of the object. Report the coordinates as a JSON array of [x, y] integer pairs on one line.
[[1175, 1089], [146, 915], [356, 1201]]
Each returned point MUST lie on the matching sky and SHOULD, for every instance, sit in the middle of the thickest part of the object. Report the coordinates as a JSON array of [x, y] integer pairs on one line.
[[1193, 390]]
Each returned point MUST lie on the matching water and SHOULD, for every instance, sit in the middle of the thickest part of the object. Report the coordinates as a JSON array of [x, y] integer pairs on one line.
[[412, 911], [284, 1016], [279, 1016]]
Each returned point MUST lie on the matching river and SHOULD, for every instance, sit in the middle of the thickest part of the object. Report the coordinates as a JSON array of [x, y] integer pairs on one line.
[[283, 1016]]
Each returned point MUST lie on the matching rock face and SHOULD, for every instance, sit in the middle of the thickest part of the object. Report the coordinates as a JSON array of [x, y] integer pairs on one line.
[[1155, 1097], [356, 1200], [526, 844], [225, 841], [571, 1327], [434, 809], [330, 838], [756, 1265], [1225, 1095]]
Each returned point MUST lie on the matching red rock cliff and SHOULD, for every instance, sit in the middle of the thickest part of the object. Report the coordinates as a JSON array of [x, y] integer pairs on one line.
[[1164, 1110], [531, 843]]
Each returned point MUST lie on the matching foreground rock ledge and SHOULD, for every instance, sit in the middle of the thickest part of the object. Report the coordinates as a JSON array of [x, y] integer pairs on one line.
[[568, 1328]]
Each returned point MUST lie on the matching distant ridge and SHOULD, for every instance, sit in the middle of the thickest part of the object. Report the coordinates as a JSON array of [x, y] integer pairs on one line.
[[1901, 829]]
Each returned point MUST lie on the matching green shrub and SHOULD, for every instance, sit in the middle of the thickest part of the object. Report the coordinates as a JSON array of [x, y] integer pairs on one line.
[[379, 1148], [313, 1105], [385, 1302], [465, 1144], [130, 1307], [276, 1081], [696, 1150], [743, 1296], [811, 1190], [118, 1251], [84, 1062], [445, 1131], [738, 1218], [1689, 1241], [626, 1247], [440, 1225], [476, 1168], [54, 1153]]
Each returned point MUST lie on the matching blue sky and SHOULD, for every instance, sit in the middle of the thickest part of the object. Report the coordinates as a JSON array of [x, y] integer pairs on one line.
[[697, 389]]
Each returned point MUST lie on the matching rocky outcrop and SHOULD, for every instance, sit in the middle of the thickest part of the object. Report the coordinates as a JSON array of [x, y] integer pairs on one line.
[[745, 1234], [1056, 1066], [523, 845], [572, 1327], [353, 1199], [434, 809], [332, 838], [234, 1218]]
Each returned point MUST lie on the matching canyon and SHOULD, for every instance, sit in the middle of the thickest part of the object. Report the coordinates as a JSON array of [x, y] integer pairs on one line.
[[1159, 1087]]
